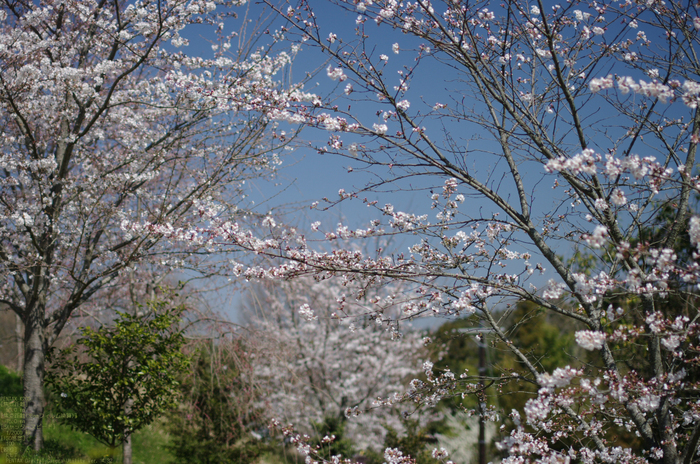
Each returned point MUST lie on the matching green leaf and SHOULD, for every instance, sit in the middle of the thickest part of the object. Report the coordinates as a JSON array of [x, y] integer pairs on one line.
[[138, 358]]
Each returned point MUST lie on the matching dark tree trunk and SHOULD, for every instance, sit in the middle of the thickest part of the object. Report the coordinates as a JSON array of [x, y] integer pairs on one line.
[[34, 357], [20, 343]]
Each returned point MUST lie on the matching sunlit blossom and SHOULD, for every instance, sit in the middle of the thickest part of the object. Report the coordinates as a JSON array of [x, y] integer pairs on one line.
[[590, 340]]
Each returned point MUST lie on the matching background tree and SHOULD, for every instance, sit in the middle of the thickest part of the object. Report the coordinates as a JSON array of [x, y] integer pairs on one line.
[[113, 138], [129, 377], [327, 369], [219, 413], [545, 337]]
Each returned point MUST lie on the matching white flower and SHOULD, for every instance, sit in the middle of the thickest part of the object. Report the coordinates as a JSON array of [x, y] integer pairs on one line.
[[648, 402], [601, 83], [386, 13], [23, 220], [655, 321], [690, 97], [537, 409], [554, 290], [504, 59], [582, 162], [380, 129], [307, 313], [383, 57], [597, 238], [395, 48], [618, 197], [653, 89], [590, 340], [394, 456], [694, 230], [176, 41], [403, 105], [561, 377], [336, 73], [671, 342]]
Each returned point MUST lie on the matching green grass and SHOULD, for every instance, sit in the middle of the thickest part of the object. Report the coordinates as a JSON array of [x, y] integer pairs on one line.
[[64, 445], [149, 444]]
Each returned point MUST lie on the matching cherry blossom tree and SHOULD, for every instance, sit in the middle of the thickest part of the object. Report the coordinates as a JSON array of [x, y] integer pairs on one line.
[[555, 130], [113, 137], [317, 362]]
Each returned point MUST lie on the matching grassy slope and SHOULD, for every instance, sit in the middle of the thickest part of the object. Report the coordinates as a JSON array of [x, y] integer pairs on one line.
[[64, 444]]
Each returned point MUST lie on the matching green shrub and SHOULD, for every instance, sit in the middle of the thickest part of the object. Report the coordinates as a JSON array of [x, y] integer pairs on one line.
[[10, 383]]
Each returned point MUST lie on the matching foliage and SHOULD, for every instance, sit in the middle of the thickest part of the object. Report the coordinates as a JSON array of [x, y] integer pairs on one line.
[[217, 415], [545, 338], [417, 441], [129, 377], [549, 344], [456, 352], [10, 383], [330, 438]]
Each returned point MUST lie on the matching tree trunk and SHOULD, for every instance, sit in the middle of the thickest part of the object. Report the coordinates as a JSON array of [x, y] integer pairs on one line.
[[126, 450], [34, 356], [126, 446], [20, 341]]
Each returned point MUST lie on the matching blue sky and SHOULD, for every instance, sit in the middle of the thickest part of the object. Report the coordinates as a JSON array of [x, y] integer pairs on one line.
[[307, 176]]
